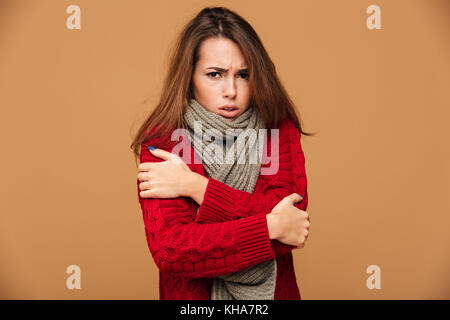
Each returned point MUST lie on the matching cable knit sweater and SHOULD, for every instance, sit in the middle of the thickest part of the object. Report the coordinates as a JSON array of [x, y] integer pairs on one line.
[[190, 250]]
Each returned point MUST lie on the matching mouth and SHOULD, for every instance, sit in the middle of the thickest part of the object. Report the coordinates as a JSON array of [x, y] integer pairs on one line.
[[229, 111]]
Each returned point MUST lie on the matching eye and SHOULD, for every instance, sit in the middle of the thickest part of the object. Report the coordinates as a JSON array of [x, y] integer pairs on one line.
[[211, 73], [246, 75]]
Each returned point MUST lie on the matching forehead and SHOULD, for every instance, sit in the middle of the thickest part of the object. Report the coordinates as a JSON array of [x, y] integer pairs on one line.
[[221, 52]]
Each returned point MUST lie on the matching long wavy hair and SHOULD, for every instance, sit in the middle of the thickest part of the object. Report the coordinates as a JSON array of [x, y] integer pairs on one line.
[[269, 95]]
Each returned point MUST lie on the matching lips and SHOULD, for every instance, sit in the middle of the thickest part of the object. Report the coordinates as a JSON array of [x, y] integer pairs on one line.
[[228, 108], [229, 111]]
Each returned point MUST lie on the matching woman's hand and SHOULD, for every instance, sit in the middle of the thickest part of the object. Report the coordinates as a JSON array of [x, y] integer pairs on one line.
[[287, 223], [166, 179]]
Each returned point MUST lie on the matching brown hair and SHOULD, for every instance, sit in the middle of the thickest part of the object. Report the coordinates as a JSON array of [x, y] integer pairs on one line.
[[270, 97]]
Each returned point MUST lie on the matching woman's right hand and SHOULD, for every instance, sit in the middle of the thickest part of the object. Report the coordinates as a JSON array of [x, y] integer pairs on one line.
[[287, 223]]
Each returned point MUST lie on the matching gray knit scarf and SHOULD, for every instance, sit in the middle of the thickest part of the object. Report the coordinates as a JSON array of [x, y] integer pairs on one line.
[[256, 282]]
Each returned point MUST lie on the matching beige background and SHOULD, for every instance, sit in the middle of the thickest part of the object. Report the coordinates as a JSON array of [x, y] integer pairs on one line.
[[378, 170]]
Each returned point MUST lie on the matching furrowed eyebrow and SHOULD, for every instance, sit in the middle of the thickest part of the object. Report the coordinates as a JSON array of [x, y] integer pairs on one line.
[[225, 70]]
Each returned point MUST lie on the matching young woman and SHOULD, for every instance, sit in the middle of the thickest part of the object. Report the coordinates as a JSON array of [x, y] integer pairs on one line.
[[223, 229]]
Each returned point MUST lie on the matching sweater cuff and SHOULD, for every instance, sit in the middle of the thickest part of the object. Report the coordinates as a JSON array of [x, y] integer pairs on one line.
[[253, 241], [218, 203]]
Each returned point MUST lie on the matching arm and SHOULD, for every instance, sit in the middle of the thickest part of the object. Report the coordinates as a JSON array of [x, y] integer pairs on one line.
[[223, 203], [182, 247]]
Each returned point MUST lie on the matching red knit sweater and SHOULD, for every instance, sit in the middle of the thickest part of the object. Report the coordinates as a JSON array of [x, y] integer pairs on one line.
[[190, 250]]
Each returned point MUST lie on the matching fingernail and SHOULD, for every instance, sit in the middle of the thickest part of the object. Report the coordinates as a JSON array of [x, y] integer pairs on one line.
[[151, 148]]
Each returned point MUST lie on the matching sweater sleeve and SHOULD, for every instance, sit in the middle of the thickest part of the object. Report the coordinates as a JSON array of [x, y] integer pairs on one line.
[[182, 247], [223, 203]]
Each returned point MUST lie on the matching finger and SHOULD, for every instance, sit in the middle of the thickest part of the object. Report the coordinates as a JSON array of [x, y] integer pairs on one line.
[[160, 153], [147, 194], [295, 197], [144, 186], [308, 224], [143, 176], [175, 159], [146, 166]]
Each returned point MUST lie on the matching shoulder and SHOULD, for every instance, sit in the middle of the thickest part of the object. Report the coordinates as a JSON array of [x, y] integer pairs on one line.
[[176, 141], [288, 124], [290, 141], [161, 139], [288, 132], [159, 134]]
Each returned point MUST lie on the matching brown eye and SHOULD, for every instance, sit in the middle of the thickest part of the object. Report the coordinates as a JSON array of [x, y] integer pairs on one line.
[[209, 74], [246, 75]]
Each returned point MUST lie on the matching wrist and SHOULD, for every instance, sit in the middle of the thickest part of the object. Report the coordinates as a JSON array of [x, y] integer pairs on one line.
[[195, 186], [187, 185], [272, 226]]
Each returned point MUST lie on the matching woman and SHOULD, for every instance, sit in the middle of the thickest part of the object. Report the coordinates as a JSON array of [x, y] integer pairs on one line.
[[222, 229]]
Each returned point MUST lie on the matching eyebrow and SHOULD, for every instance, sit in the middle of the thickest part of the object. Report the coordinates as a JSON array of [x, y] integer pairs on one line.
[[225, 70]]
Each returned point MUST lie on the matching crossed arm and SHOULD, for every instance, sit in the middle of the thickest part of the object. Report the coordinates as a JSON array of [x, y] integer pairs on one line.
[[215, 241], [182, 247], [222, 203]]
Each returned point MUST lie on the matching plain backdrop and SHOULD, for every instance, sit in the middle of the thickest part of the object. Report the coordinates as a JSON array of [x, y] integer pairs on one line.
[[378, 169]]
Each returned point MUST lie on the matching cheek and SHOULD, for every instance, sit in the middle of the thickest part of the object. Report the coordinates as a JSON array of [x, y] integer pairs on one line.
[[245, 97], [243, 110], [207, 94], [245, 93], [202, 88]]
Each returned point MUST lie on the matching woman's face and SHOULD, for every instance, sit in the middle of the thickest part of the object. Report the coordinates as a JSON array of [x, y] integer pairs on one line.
[[220, 79]]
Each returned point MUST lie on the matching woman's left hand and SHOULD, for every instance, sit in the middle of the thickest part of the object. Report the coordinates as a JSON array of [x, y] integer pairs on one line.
[[166, 179]]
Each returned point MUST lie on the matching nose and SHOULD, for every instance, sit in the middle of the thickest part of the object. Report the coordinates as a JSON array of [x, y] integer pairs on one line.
[[229, 89]]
